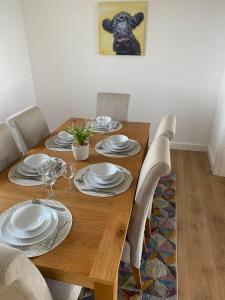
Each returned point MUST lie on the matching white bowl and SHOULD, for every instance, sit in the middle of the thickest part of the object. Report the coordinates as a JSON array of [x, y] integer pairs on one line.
[[118, 140], [104, 170], [65, 136], [36, 160], [104, 120], [29, 217]]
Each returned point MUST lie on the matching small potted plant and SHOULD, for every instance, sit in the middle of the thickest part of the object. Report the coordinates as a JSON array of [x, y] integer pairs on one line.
[[80, 146]]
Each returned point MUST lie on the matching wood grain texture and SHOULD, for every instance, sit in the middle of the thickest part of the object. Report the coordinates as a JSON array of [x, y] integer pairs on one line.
[[106, 292], [92, 251], [201, 227]]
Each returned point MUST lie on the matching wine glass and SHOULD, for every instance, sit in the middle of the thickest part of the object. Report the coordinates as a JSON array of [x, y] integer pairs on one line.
[[89, 123], [68, 173], [45, 167], [49, 178]]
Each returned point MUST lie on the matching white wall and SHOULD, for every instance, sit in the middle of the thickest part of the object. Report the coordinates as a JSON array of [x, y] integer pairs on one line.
[[16, 86], [180, 72]]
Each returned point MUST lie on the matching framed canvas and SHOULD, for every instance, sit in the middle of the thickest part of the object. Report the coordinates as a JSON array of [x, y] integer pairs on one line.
[[122, 27]]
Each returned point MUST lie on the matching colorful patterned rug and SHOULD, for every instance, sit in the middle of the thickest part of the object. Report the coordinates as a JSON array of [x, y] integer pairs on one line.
[[158, 266]]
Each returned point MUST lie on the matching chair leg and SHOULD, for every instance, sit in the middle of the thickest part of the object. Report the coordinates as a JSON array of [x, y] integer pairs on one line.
[[137, 277], [144, 246], [148, 228]]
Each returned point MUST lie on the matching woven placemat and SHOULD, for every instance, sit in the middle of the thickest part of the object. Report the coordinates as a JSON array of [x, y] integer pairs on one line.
[[118, 127], [19, 179], [109, 192], [136, 149], [50, 144], [60, 233]]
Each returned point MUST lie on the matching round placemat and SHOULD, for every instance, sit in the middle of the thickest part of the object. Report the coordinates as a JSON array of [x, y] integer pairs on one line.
[[19, 179], [65, 221], [108, 192], [99, 149], [119, 126], [50, 144]]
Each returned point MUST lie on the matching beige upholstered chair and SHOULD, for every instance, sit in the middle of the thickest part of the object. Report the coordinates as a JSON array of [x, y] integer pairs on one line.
[[167, 127], [9, 151], [114, 105], [156, 165], [21, 280], [28, 127]]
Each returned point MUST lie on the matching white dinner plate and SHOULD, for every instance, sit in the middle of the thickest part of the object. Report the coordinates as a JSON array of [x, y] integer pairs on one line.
[[107, 146], [7, 237], [21, 234], [90, 180]]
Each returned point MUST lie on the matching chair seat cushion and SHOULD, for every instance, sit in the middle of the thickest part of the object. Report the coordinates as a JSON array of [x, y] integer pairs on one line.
[[60, 290]]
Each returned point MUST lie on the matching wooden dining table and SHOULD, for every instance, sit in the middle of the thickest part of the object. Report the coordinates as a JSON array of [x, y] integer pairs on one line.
[[91, 253]]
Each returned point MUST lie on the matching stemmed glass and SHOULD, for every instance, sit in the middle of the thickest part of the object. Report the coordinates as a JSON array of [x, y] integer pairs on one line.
[[49, 175], [89, 123], [49, 179], [68, 173]]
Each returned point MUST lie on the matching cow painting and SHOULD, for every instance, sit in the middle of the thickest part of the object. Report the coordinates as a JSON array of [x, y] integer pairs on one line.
[[121, 26]]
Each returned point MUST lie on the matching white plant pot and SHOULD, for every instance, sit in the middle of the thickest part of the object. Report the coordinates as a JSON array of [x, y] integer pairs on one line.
[[80, 152]]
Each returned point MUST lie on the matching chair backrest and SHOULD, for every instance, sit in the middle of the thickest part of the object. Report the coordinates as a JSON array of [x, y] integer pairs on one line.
[[156, 165], [114, 105], [28, 127], [19, 278], [9, 151], [167, 127]]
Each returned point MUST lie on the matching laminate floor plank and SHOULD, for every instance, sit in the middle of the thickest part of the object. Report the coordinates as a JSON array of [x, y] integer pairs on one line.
[[200, 227]]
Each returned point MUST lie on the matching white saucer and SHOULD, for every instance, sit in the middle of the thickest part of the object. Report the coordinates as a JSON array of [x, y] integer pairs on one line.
[[89, 180], [107, 146], [10, 239], [21, 234]]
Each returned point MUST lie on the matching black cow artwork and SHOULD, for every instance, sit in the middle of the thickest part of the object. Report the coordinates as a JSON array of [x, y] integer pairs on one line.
[[121, 26]]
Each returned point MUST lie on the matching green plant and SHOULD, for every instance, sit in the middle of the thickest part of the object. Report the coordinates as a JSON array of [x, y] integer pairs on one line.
[[79, 133]]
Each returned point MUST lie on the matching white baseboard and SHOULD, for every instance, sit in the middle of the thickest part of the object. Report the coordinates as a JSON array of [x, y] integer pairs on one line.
[[187, 146]]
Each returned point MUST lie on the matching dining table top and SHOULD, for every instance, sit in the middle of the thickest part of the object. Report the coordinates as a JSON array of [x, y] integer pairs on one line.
[[91, 253]]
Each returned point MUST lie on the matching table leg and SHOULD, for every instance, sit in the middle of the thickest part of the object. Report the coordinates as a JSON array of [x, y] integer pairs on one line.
[[106, 292]]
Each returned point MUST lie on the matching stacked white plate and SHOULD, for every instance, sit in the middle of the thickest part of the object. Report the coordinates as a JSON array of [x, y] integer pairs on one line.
[[103, 176], [63, 139], [104, 123], [29, 167], [118, 144], [29, 225]]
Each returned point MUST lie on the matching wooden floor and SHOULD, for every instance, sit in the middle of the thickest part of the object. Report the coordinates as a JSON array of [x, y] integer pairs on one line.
[[201, 227]]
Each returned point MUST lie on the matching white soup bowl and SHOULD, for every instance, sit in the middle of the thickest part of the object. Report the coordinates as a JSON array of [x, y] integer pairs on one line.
[[36, 160], [118, 140], [65, 136], [104, 120], [104, 171], [29, 217]]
